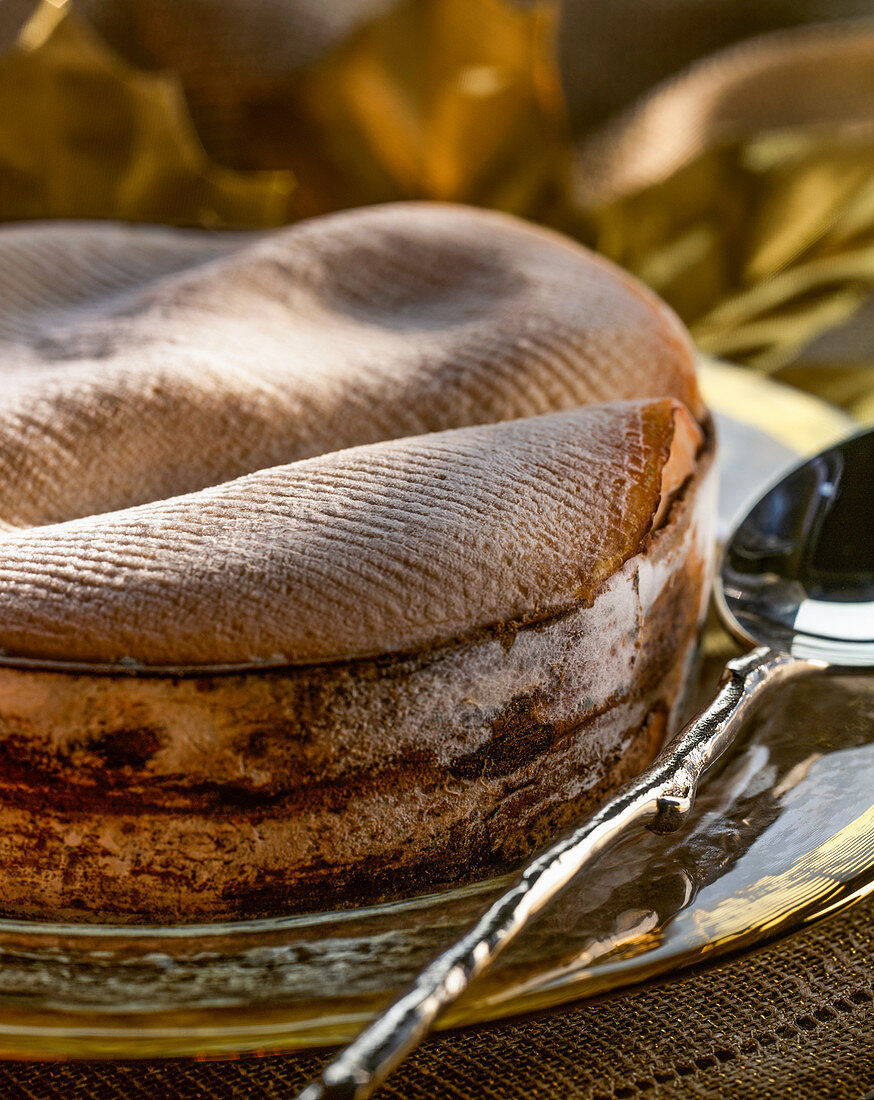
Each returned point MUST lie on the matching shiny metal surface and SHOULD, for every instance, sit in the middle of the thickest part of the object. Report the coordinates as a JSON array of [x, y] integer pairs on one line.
[[798, 573], [798, 576]]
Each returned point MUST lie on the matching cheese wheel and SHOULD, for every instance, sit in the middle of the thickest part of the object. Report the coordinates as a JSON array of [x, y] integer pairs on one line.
[[331, 559]]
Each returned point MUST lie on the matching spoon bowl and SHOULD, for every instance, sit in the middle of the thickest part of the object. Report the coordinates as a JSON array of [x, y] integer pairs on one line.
[[798, 572]]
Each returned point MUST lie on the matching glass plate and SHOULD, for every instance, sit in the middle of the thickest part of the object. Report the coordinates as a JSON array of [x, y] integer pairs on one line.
[[783, 834]]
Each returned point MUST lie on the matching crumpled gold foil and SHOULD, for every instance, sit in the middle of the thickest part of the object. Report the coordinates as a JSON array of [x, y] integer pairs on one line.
[[84, 135], [763, 241], [455, 100], [763, 246]]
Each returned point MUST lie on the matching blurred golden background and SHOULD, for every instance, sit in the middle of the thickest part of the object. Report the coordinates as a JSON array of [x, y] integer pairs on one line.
[[740, 185]]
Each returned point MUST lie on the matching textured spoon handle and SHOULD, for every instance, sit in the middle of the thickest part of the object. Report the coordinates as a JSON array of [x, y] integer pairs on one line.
[[659, 798]]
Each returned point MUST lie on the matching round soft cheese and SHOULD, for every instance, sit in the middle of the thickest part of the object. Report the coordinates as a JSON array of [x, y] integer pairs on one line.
[[335, 561]]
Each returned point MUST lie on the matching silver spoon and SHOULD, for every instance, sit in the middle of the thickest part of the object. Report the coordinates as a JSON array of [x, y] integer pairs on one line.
[[797, 581]]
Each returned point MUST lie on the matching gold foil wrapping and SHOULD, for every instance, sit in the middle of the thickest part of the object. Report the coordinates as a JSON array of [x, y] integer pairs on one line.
[[761, 236]]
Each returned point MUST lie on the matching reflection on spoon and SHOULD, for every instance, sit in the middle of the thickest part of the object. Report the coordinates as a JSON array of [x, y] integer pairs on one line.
[[798, 573]]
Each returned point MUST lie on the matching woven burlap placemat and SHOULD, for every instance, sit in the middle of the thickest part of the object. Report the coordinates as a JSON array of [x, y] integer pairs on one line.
[[795, 1019]]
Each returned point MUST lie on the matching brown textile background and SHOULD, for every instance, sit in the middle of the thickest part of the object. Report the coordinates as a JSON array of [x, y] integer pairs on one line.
[[795, 1019]]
